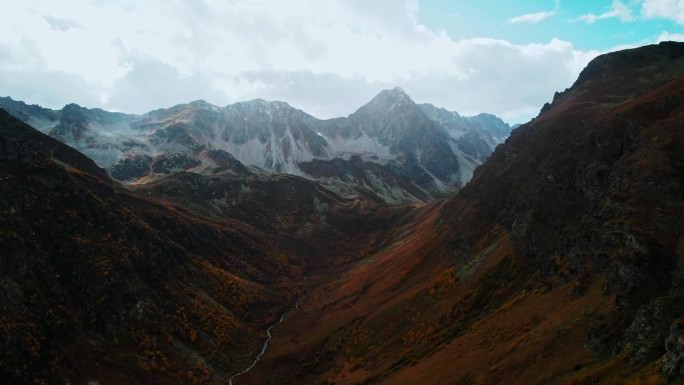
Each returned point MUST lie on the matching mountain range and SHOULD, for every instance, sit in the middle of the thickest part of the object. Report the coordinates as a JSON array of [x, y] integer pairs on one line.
[[560, 262], [391, 147]]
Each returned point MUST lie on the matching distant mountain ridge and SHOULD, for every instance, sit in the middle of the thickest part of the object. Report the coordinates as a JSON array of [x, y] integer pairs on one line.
[[403, 151]]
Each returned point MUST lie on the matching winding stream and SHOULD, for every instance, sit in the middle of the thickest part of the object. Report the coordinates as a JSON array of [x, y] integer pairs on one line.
[[265, 346]]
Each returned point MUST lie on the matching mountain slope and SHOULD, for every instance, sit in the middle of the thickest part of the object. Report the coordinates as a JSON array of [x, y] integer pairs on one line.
[[327, 228], [395, 125], [473, 138], [101, 285], [560, 263], [22, 145]]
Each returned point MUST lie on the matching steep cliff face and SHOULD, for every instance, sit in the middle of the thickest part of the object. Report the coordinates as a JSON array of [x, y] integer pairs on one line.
[[560, 262], [593, 185]]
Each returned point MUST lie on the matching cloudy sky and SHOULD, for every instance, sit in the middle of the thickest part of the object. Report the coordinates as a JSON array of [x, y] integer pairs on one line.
[[327, 57]]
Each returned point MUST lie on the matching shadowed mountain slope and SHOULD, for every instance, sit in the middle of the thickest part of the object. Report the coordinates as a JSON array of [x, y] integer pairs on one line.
[[98, 284], [561, 262]]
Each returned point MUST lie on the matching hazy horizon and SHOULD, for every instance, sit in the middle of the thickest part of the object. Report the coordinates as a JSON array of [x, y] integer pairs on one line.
[[326, 58]]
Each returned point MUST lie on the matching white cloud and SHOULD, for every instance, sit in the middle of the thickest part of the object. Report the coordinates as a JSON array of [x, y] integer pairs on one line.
[[667, 9], [667, 36], [531, 17], [618, 10], [327, 58], [61, 25]]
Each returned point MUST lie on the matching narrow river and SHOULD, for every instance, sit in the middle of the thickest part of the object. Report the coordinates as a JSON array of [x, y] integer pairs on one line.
[[265, 346]]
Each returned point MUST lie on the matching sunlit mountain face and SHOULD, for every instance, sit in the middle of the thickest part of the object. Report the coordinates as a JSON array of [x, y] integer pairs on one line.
[[201, 265]]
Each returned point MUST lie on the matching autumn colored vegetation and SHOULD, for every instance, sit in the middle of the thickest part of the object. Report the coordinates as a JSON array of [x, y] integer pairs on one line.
[[98, 283]]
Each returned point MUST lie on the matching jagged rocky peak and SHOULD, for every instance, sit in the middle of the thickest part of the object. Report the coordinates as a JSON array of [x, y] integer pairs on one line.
[[485, 117], [264, 112], [203, 104], [388, 114], [73, 123], [266, 117], [499, 129], [475, 136], [396, 92], [387, 100], [437, 113], [261, 104], [72, 107]]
